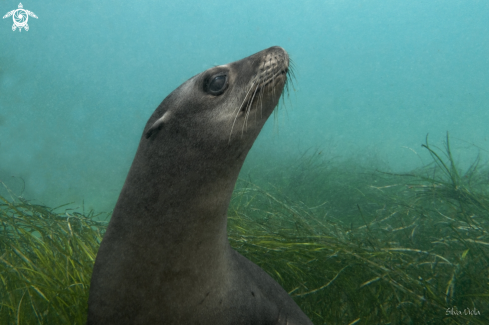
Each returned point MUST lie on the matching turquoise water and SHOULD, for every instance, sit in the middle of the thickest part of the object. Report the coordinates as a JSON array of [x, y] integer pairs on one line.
[[373, 78]]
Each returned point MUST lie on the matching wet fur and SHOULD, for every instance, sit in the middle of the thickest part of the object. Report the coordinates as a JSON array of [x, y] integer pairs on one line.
[[165, 258]]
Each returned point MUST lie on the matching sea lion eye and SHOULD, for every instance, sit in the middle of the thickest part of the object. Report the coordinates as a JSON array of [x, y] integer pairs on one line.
[[217, 85]]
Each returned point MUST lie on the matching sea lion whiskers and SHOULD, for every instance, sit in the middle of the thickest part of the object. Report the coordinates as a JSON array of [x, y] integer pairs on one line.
[[260, 100], [238, 110], [247, 113], [248, 110], [261, 103], [261, 84], [290, 76]]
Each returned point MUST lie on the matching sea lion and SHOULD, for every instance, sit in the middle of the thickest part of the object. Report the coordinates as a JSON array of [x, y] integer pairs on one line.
[[165, 258]]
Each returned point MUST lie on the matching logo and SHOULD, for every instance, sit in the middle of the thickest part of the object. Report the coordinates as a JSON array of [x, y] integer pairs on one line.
[[20, 17]]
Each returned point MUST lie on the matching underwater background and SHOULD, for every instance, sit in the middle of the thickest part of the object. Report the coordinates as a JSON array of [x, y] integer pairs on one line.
[[372, 80]]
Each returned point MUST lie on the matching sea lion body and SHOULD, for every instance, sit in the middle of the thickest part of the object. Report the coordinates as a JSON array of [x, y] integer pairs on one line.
[[165, 258]]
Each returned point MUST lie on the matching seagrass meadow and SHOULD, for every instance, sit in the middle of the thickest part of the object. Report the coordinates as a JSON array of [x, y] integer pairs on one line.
[[352, 245]]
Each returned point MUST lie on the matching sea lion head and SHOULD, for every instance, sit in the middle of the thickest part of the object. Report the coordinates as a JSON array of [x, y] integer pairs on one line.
[[224, 107]]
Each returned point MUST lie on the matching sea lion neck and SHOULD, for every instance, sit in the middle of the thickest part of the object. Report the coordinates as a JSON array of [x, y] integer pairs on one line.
[[178, 197]]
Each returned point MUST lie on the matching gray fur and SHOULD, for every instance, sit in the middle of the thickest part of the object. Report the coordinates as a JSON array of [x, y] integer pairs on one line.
[[165, 258]]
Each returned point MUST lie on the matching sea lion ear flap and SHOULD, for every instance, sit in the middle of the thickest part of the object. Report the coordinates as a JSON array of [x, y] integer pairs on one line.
[[158, 125]]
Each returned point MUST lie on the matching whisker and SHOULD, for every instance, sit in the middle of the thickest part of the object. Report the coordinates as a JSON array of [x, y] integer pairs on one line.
[[249, 110], [261, 103], [273, 79], [238, 110]]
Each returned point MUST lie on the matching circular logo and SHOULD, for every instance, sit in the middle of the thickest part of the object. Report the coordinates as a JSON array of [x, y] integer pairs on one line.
[[20, 18]]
